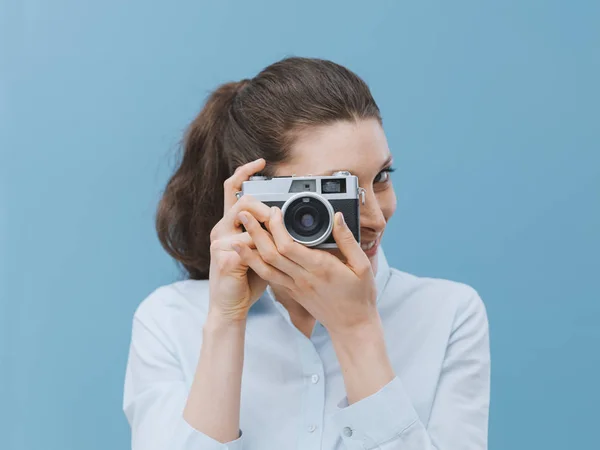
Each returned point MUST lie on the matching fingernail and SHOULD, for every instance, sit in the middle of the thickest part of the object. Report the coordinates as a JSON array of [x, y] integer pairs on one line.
[[243, 219], [341, 219], [236, 247], [273, 211]]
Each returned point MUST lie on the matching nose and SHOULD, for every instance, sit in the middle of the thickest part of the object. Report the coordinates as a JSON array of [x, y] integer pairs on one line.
[[371, 214]]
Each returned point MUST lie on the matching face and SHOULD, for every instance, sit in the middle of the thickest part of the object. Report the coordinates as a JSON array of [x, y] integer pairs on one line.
[[360, 148]]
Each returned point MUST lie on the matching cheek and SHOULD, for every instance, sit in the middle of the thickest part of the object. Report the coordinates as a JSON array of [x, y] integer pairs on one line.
[[387, 203]]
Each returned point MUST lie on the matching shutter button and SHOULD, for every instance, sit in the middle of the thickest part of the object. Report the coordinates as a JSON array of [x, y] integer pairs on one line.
[[347, 431]]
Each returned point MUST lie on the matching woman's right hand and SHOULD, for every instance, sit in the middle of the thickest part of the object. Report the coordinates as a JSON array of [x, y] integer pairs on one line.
[[234, 288]]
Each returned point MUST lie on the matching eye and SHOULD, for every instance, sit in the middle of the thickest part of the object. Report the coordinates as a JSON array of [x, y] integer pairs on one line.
[[384, 175]]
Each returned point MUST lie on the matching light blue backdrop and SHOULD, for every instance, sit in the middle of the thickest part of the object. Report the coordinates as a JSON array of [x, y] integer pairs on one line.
[[492, 112]]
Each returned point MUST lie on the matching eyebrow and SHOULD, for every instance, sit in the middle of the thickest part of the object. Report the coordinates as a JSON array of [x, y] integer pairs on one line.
[[386, 163]]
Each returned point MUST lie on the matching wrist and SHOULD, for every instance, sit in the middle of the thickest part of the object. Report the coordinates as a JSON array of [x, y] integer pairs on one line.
[[358, 335], [223, 342], [218, 323], [363, 358]]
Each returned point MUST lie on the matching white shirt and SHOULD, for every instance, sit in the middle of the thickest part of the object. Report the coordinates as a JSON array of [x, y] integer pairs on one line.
[[293, 393]]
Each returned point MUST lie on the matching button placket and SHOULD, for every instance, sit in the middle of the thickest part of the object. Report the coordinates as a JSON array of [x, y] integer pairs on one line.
[[313, 395]]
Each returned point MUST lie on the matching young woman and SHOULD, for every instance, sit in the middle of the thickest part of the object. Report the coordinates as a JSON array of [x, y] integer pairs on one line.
[[270, 344]]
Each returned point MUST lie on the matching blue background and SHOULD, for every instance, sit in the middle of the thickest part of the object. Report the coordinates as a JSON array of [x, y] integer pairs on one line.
[[492, 112]]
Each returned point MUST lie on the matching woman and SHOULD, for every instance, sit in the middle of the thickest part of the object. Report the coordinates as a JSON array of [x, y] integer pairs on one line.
[[274, 345]]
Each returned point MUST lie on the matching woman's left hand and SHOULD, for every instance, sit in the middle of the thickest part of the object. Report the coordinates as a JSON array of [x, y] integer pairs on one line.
[[340, 295]]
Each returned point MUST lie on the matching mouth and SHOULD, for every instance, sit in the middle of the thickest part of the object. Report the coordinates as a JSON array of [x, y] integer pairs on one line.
[[370, 247]]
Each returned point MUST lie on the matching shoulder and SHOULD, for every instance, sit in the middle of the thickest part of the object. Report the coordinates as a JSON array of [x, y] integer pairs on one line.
[[169, 304], [434, 297]]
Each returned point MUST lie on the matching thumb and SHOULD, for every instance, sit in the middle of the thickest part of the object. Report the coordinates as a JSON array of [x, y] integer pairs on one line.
[[347, 243]]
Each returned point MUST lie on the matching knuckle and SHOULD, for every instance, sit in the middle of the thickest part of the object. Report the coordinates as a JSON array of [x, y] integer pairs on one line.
[[214, 232], [319, 261], [285, 247], [246, 200], [229, 183], [302, 283], [266, 273], [242, 203], [270, 256]]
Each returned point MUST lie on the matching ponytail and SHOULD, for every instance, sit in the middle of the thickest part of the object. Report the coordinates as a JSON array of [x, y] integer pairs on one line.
[[192, 202]]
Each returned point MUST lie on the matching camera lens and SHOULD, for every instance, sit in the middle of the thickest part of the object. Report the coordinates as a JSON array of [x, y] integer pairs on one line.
[[308, 218]]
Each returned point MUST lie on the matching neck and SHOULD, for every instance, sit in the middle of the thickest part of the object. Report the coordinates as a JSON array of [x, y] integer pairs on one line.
[[299, 316]]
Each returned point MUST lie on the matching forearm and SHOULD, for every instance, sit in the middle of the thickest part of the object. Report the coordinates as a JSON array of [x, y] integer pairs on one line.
[[213, 404], [364, 361]]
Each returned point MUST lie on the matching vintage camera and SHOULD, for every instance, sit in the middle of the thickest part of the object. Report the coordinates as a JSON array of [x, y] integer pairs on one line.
[[308, 204]]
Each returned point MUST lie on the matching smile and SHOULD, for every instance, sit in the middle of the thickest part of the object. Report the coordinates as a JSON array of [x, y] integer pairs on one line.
[[368, 245]]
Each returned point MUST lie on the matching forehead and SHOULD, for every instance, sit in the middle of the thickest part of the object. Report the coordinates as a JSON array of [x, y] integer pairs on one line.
[[359, 147]]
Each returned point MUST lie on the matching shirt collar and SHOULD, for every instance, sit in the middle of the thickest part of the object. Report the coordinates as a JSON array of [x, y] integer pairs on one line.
[[383, 273]]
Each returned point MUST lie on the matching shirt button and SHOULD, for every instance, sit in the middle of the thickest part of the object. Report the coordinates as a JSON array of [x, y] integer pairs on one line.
[[312, 428], [347, 431], [314, 378]]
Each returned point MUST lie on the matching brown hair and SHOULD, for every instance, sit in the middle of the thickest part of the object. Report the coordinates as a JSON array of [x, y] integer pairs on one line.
[[243, 121]]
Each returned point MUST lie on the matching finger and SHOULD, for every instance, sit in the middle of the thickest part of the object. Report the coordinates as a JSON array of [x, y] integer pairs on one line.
[[233, 184], [256, 208], [230, 223], [226, 242], [350, 248], [267, 249], [308, 258], [265, 271]]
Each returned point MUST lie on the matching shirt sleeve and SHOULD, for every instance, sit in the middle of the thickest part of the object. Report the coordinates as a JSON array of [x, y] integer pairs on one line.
[[387, 419], [155, 396]]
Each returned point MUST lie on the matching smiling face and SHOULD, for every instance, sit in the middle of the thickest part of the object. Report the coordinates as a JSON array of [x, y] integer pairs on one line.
[[361, 148]]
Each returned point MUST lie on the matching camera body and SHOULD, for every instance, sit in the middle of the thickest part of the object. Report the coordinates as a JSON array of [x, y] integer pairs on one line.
[[308, 204]]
